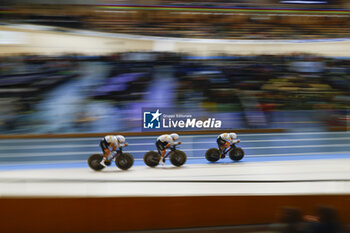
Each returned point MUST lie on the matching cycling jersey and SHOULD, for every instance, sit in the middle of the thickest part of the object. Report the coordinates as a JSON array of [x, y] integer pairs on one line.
[[163, 141], [165, 138], [226, 137], [110, 139]]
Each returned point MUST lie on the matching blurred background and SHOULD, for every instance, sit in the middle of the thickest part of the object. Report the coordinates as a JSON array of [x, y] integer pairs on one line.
[[90, 66]]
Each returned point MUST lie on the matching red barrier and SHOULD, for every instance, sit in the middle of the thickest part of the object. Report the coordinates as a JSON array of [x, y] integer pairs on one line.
[[145, 213]]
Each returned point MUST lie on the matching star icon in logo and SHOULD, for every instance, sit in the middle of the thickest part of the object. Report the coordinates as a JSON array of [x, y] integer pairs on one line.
[[156, 115]]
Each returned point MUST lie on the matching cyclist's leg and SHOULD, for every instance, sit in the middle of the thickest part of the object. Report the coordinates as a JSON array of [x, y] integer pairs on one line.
[[221, 144], [106, 152], [164, 146], [104, 148], [161, 146]]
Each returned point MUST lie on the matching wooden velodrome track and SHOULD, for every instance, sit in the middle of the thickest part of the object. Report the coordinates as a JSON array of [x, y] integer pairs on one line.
[[52, 192]]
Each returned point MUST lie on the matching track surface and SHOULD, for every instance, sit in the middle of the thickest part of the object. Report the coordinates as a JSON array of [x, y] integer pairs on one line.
[[275, 164], [73, 152], [269, 178], [280, 163]]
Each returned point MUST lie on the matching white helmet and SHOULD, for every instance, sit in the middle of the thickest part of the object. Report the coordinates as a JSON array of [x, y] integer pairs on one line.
[[120, 138], [174, 136], [232, 135]]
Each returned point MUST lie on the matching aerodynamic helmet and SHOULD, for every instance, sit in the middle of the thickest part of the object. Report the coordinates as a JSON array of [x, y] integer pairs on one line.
[[233, 135], [174, 136], [120, 138]]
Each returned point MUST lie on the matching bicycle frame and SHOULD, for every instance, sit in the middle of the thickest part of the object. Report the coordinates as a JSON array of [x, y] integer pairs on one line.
[[232, 146], [171, 149], [117, 152]]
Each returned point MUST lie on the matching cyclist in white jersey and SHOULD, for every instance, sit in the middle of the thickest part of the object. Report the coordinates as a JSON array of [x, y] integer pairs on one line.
[[224, 141], [165, 141], [113, 142]]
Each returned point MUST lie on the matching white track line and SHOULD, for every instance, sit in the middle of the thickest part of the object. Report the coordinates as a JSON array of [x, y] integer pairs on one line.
[[283, 147], [299, 133], [149, 144], [45, 147], [67, 146], [39, 154], [191, 157], [42, 162], [143, 151], [299, 154], [299, 139], [50, 140], [300, 146], [154, 137]]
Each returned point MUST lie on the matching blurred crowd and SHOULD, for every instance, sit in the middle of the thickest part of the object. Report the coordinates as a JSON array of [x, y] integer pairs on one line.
[[266, 83], [292, 82], [24, 81], [187, 23], [221, 25], [241, 3], [250, 84]]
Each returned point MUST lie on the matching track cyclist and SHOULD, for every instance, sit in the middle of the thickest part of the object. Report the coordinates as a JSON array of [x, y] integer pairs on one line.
[[224, 141], [111, 141], [165, 141]]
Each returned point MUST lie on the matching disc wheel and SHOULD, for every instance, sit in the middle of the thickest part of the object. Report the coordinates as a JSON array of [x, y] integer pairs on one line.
[[212, 155], [237, 154], [124, 161], [178, 158], [94, 162], [151, 158]]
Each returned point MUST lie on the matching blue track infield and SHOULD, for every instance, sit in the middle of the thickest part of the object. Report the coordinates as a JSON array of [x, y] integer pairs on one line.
[[74, 152]]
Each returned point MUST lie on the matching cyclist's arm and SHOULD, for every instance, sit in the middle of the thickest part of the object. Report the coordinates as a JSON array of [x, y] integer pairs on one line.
[[171, 142], [123, 144], [235, 141]]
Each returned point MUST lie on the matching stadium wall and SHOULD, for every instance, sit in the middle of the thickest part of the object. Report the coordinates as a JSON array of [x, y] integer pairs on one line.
[[70, 215], [29, 39]]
